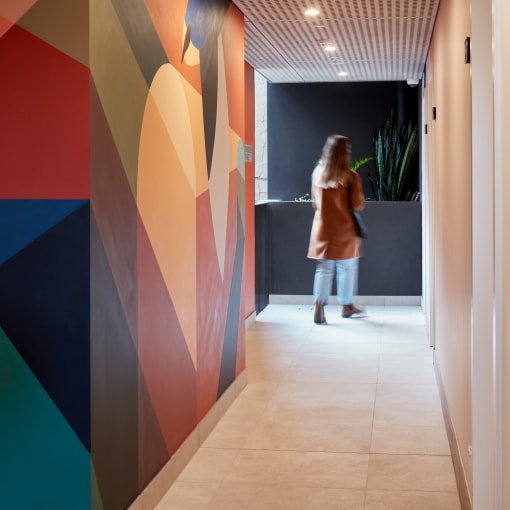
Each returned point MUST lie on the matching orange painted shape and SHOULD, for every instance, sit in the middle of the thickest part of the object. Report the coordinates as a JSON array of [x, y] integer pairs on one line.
[[212, 310], [233, 46], [167, 206], [213, 295], [5, 24], [169, 21], [180, 108], [13, 10], [196, 115], [249, 194], [165, 362]]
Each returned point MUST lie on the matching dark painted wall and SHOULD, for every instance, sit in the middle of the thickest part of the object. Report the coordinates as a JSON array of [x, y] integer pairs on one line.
[[301, 116], [262, 254], [391, 265]]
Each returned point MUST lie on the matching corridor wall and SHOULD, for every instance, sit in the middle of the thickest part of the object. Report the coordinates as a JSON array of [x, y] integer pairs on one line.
[[447, 140], [122, 235]]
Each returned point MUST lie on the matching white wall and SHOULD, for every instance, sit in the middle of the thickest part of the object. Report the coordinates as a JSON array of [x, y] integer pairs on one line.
[[483, 334], [448, 148], [468, 199], [260, 138], [491, 249], [501, 10]]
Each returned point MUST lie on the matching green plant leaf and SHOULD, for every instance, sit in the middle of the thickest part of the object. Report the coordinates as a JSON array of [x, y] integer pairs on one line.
[[394, 148], [357, 163]]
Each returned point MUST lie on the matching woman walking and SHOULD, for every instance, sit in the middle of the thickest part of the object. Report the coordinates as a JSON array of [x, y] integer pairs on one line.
[[334, 242]]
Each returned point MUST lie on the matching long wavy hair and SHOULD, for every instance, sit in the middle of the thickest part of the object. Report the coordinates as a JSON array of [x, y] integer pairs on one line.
[[335, 160]]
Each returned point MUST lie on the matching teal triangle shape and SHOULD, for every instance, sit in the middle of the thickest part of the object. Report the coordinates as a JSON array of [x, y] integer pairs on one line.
[[39, 448], [22, 221]]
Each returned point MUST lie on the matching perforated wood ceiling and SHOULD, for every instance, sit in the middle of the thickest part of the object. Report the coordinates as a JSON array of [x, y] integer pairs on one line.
[[375, 39]]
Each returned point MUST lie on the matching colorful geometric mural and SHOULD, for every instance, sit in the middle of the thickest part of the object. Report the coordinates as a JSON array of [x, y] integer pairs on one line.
[[44, 358], [122, 226]]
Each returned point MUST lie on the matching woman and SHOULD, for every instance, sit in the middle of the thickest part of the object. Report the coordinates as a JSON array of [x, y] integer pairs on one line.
[[333, 239]]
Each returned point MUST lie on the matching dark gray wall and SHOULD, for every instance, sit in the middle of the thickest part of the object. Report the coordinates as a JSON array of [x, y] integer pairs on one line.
[[262, 254], [302, 116], [391, 265]]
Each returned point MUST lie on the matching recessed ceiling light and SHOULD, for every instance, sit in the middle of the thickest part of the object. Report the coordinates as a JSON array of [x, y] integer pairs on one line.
[[312, 12], [329, 47], [343, 73]]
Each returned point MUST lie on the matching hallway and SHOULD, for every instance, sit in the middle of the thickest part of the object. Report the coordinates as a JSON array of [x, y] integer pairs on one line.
[[345, 416]]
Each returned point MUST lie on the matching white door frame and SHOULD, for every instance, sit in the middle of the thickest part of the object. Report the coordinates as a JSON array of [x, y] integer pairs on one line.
[[485, 301]]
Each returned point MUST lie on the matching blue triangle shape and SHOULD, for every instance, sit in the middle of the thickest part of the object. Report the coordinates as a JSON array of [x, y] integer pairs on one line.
[[22, 221], [45, 312]]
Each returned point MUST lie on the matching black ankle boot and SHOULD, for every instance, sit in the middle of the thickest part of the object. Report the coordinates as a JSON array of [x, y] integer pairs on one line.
[[319, 317]]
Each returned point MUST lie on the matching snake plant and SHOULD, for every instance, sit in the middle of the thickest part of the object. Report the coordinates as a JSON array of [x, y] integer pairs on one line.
[[394, 149]]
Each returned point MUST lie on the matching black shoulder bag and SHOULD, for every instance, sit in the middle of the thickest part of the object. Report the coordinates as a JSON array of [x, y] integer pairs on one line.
[[359, 224]]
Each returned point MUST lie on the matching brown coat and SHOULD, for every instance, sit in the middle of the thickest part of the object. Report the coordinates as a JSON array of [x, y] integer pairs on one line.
[[333, 234]]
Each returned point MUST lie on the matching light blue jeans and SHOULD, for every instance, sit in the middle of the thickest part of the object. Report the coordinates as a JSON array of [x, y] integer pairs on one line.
[[346, 280]]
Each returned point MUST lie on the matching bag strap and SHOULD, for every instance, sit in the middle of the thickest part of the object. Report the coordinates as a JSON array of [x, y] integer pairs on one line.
[[349, 189]]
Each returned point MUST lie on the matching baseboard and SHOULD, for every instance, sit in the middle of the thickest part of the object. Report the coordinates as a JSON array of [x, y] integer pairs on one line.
[[250, 320], [460, 476], [162, 482], [287, 299]]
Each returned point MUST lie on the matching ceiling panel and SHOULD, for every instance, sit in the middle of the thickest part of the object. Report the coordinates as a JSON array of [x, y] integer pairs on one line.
[[375, 40]]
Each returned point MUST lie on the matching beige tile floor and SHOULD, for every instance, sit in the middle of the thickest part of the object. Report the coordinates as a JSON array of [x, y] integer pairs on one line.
[[344, 416]]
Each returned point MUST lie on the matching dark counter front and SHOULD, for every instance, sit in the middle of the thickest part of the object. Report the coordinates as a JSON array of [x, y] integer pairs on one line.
[[391, 265]]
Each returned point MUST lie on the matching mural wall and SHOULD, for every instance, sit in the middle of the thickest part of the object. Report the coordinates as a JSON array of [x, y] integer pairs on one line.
[[122, 229]]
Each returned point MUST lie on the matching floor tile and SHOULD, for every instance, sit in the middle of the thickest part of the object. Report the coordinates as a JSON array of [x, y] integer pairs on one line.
[[188, 496], [327, 391], [404, 348], [404, 360], [408, 393], [209, 465], [345, 416], [411, 414], [231, 433], [259, 390], [301, 469], [246, 496], [246, 408], [354, 414], [407, 500], [410, 440], [411, 472], [309, 435], [340, 372], [413, 374]]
